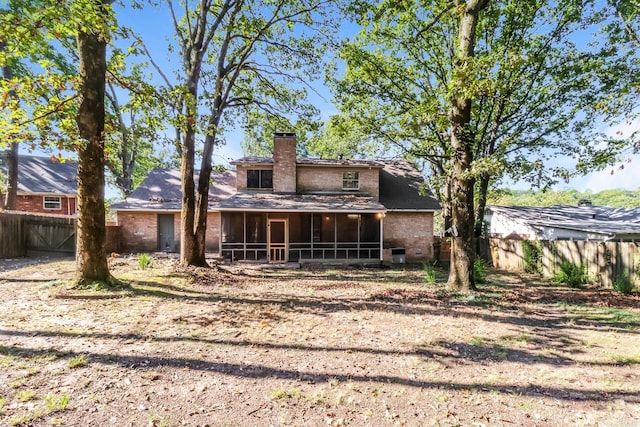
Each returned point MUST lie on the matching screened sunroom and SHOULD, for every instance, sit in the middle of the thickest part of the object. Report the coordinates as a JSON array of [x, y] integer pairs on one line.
[[296, 228]]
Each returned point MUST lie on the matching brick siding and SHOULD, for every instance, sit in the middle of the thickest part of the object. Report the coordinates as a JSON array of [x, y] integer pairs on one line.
[[35, 204], [313, 178], [284, 163], [140, 231], [412, 231]]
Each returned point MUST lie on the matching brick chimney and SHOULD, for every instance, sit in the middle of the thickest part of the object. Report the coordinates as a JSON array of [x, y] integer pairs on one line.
[[284, 162]]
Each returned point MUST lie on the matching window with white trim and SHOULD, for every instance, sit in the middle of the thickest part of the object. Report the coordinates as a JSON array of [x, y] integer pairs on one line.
[[53, 203], [351, 180]]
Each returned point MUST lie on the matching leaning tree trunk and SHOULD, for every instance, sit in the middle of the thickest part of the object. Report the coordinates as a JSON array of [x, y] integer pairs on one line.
[[204, 180], [91, 261], [462, 143]]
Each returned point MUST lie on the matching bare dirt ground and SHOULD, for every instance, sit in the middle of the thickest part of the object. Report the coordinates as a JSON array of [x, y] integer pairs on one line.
[[328, 347]]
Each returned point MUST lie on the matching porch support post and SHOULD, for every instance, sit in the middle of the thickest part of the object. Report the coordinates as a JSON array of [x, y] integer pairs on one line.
[[358, 244], [335, 236], [381, 236]]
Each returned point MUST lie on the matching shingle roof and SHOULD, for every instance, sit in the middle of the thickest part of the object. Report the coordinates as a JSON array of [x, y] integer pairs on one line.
[[161, 190], [402, 187], [593, 219], [304, 161], [45, 175], [288, 202]]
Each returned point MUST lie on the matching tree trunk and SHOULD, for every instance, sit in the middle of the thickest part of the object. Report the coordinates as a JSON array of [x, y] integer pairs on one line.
[[462, 144], [189, 251], [202, 196], [91, 261], [9, 200], [188, 245], [483, 189]]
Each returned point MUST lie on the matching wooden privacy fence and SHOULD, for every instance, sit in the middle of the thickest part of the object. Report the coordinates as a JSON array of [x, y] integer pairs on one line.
[[604, 261], [21, 233]]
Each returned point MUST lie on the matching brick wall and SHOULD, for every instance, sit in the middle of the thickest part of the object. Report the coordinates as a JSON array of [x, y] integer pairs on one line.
[[312, 179], [139, 231], [35, 203], [412, 231], [284, 163], [212, 238]]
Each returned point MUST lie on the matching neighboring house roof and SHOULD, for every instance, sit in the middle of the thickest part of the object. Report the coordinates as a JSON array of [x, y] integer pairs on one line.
[[46, 175], [591, 220], [402, 188], [287, 202], [161, 190]]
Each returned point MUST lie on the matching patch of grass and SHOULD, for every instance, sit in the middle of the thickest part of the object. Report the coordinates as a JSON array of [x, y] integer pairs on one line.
[[156, 420], [3, 399], [56, 402], [429, 273], [27, 417], [499, 351], [613, 316], [316, 398], [480, 268], [627, 360], [110, 285], [25, 395], [78, 361], [623, 284], [477, 342], [6, 360], [32, 371], [16, 383], [282, 393], [145, 261]]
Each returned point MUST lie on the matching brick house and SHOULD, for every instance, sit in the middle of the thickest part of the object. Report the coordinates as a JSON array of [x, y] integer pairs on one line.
[[284, 208], [46, 185]]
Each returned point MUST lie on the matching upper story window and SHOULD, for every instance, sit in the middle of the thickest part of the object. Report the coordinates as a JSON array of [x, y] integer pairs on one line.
[[350, 180], [53, 203], [260, 178]]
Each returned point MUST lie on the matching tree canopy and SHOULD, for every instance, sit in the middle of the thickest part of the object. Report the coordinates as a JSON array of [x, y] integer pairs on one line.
[[542, 82]]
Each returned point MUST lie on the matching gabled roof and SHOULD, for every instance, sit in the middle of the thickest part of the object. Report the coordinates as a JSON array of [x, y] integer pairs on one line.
[[45, 175], [588, 219], [402, 187], [161, 190]]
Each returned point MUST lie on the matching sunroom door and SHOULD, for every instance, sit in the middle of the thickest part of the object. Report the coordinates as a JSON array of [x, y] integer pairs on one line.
[[277, 240]]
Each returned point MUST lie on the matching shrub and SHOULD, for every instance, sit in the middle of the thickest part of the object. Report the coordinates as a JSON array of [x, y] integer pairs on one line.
[[623, 284], [480, 271], [430, 273], [532, 254], [145, 261], [571, 274]]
